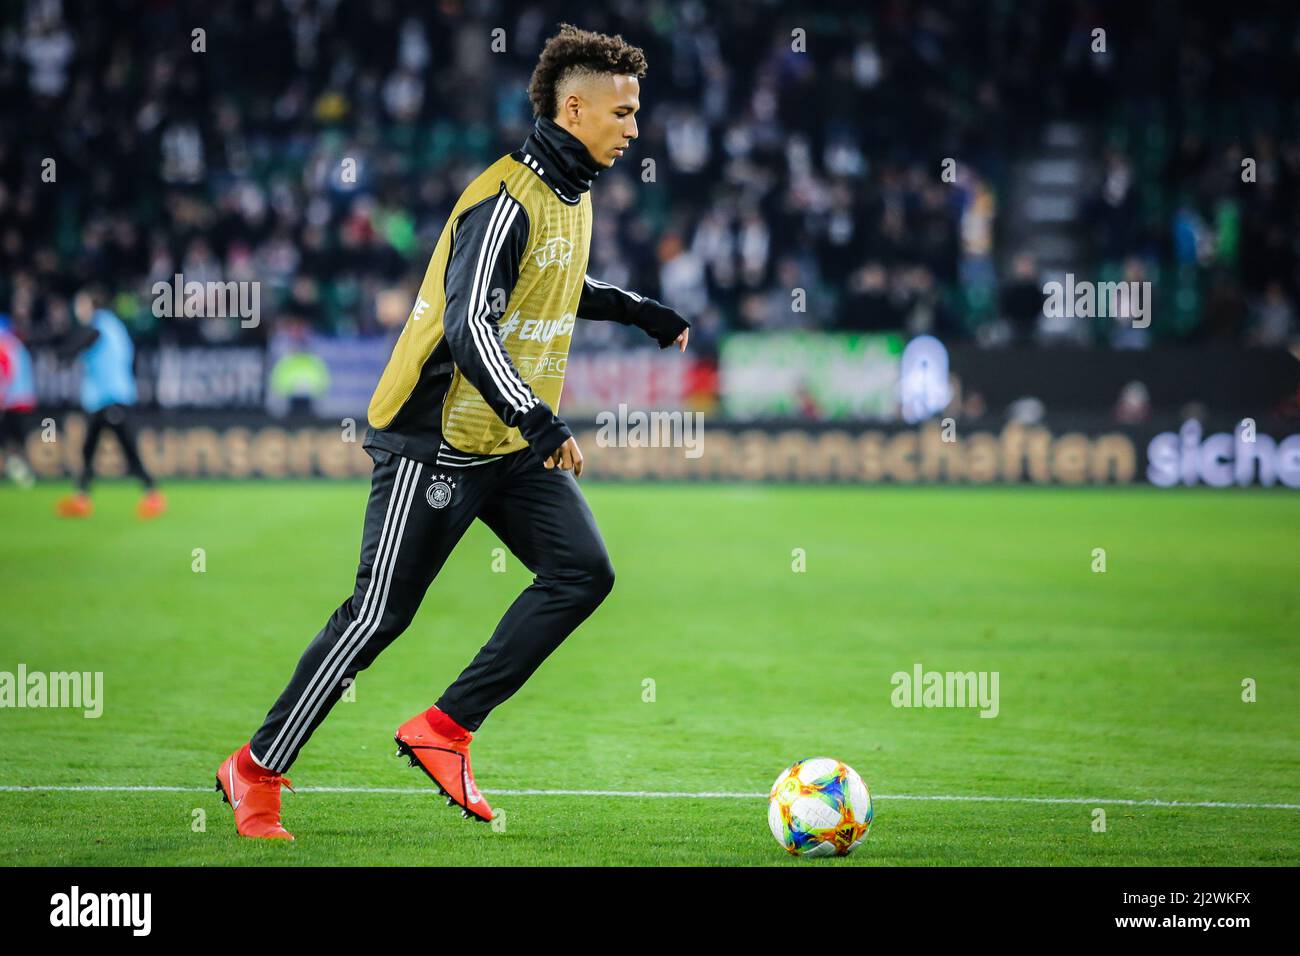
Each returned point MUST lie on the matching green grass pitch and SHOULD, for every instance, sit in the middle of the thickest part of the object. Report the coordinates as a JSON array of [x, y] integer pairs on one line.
[[1117, 686]]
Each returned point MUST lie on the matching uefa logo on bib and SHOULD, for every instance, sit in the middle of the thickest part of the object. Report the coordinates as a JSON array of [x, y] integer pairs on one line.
[[556, 251], [438, 494]]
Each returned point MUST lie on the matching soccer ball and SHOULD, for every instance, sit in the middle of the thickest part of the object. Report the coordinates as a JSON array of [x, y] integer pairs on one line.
[[819, 807]]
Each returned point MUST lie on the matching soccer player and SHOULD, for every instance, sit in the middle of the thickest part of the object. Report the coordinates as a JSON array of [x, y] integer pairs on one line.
[[107, 392], [17, 400], [463, 426]]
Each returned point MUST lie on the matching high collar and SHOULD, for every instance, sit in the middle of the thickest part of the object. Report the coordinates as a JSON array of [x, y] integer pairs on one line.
[[559, 158]]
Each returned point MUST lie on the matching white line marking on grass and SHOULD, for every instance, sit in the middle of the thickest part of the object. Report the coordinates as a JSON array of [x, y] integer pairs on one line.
[[688, 794]]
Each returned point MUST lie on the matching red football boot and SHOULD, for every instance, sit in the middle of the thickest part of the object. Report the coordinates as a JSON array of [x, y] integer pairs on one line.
[[255, 800], [151, 505], [74, 506], [445, 759]]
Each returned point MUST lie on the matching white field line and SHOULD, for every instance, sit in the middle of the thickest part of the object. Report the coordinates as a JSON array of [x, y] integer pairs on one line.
[[685, 794]]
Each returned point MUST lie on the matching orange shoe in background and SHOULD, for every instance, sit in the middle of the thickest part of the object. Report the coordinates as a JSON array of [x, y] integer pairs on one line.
[[445, 759], [74, 506], [255, 800], [151, 505]]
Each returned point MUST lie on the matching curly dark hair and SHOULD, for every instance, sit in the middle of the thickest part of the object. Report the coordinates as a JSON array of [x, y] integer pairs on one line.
[[574, 50]]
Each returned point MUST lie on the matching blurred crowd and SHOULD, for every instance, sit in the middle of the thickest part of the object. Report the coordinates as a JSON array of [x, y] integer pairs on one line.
[[317, 146]]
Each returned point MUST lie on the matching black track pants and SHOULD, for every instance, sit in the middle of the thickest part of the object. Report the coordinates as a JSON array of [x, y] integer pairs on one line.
[[117, 419], [416, 515]]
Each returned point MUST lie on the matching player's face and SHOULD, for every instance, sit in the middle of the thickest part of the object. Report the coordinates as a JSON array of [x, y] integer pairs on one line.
[[83, 307], [609, 124]]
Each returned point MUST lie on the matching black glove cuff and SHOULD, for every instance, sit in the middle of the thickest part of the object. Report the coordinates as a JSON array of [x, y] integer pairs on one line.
[[660, 322], [543, 431]]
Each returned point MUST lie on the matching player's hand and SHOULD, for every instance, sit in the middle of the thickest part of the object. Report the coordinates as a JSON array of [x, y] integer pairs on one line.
[[567, 457], [681, 340]]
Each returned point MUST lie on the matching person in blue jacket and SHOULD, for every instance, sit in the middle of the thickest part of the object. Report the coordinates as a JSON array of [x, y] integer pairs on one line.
[[107, 395]]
